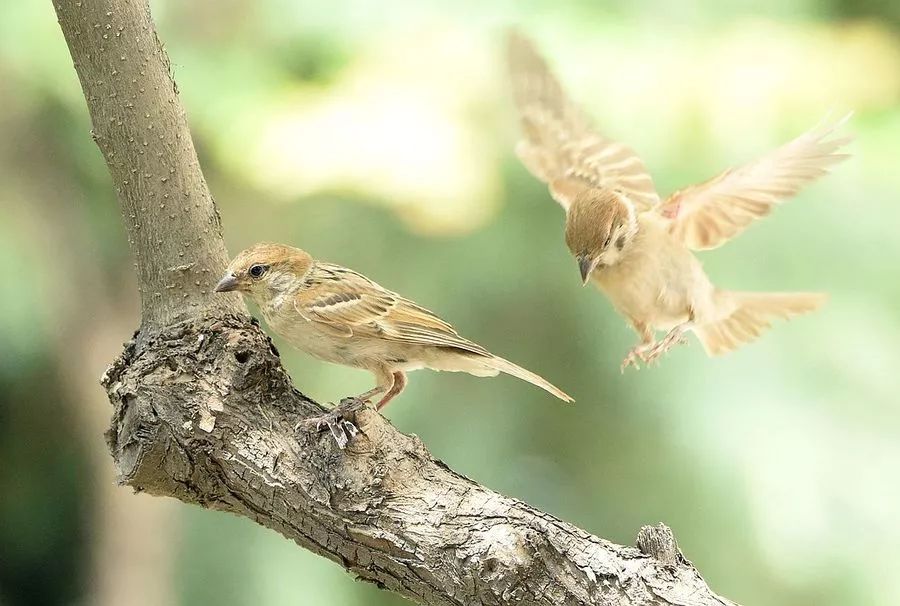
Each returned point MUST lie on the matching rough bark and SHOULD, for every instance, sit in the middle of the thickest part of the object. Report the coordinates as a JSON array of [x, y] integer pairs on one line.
[[204, 412]]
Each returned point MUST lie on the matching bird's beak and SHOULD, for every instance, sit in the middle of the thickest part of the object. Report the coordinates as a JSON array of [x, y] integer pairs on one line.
[[227, 283], [586, 265]]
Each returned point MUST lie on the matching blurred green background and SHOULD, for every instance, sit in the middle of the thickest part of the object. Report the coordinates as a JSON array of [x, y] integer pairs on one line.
[[379, 136]]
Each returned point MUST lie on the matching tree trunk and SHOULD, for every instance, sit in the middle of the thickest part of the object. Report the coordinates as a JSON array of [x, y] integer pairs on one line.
[[204, 411]]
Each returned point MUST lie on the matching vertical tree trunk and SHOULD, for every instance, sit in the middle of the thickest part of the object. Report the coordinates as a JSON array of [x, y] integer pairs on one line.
[[140, 126]]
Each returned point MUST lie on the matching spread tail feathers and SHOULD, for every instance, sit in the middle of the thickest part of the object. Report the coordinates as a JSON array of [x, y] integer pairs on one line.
[[526, 375], [751, 315]]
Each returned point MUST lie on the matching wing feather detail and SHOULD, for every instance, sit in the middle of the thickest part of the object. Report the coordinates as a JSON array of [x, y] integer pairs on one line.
[[707, 215], [559, 142], [351, 304]]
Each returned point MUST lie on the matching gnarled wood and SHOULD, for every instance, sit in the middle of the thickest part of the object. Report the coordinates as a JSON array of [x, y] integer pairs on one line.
[[205, 413]]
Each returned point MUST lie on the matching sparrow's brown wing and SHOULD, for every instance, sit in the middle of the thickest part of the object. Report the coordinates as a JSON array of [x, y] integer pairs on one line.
[[343, 299], [350, 304], [560, 146], [707, 215]]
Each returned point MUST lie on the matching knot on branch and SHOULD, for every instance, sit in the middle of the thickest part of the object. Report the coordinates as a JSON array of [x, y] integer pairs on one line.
[[170, 386], [197, 402], [659, 542]]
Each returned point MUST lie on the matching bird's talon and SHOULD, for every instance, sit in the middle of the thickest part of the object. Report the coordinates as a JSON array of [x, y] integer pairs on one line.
[[350, 429], [656, 350], [342, 430], [635, 357]]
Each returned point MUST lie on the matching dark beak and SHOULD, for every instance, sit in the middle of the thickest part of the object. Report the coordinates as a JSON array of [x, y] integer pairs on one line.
[[227, 284], [586, 266]]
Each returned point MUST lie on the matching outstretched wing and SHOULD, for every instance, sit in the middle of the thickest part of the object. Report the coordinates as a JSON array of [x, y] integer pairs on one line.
[[560, 146], [348, 304], [708, 215]]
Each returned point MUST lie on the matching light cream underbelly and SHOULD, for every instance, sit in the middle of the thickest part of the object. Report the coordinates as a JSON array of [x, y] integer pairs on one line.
[[324, 343], [661, 295]]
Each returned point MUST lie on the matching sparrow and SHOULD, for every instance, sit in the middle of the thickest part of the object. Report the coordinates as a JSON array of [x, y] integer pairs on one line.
[[637, 248], [340, 316]]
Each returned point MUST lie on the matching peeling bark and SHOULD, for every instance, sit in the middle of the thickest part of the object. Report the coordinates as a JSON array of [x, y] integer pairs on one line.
[[204, 411]]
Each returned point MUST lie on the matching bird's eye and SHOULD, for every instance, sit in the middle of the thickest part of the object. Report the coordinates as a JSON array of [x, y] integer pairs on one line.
[[256, 271], [607, 241]]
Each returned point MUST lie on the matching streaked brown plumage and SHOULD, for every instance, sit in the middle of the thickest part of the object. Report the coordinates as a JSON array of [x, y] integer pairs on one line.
[[637, 248], [340, 316]]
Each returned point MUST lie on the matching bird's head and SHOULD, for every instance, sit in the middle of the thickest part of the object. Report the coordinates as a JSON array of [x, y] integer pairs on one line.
[[600, 225], [265, 270]]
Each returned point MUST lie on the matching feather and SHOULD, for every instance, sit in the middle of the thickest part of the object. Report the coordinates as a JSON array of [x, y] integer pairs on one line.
[[560, 144], [707, 215]]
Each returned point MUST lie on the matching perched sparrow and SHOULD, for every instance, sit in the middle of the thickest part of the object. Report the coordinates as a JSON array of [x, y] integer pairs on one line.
[[636, 248], [340, 316]]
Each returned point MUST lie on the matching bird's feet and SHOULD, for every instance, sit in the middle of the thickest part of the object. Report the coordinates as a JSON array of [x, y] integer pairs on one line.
[[673, 338], [650, 352], [635, 355], [339, 421]]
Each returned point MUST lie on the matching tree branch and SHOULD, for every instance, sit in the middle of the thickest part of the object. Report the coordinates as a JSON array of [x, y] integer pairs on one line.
[[139, 124], [204, 411]]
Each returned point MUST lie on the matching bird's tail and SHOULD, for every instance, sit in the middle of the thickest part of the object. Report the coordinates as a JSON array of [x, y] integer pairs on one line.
[[509, 368], [751, 314]]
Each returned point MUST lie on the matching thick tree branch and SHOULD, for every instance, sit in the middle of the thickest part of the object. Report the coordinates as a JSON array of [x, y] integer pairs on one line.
[[204, 411]]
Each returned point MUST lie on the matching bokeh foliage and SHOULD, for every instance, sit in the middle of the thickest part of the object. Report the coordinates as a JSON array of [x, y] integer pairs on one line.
[[379, 136]]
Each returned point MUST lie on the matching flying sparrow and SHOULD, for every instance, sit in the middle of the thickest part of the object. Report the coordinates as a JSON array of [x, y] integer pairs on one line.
[[637, 248], [340, 316]]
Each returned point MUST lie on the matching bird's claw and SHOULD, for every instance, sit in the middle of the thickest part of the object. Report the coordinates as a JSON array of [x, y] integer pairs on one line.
[[342, 429], [651, 352], [668, 342], [634, 355]]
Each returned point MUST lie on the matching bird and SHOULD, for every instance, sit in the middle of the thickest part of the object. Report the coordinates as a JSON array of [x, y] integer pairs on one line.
[[639, 249], [338, 315]]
